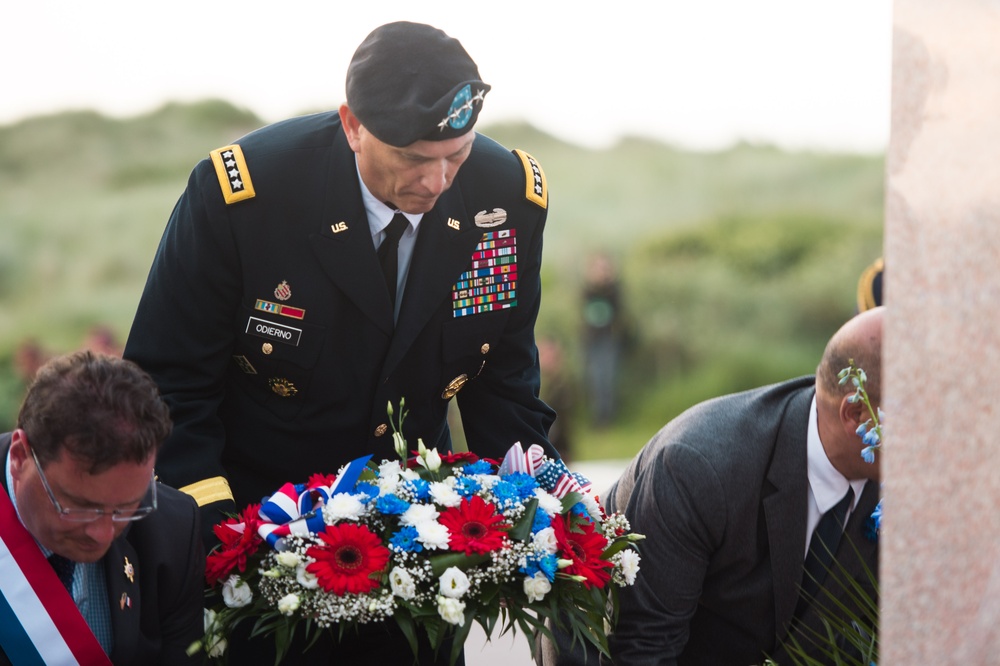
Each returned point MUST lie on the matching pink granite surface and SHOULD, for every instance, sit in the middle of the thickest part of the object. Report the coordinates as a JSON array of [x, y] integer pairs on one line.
[[941, 545]]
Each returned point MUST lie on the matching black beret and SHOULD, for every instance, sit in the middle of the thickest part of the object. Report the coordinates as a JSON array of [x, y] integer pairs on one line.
[[410, 81]]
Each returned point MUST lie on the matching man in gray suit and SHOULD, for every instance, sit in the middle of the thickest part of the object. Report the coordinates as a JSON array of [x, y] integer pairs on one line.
[[727, 495]]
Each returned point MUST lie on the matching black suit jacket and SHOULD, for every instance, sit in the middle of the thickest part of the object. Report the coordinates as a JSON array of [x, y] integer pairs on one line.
[[167, 594], [721, 494], [262, 411]]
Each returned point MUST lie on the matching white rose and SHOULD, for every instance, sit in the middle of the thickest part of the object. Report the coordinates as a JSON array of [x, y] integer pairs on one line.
[[536, 587], [444, 494], [288, 604], [628, 560], [402, 583], [236, 593], [305, 578], [288, 560], [433, 534], [544, 540], [451, 611], [419, 513], [454, 583], [342, 506]]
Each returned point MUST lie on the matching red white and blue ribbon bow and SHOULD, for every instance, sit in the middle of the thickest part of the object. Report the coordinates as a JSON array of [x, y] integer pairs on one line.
[[298, 508], [552, 475]]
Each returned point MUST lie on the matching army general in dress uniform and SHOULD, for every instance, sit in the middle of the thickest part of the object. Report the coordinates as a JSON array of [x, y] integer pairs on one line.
[[267, 320]]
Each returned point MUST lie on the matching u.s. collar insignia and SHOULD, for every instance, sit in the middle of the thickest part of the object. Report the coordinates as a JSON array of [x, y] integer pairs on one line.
[[454, 224], [283, 291], [486, 220], [129, 571], [233, 174]]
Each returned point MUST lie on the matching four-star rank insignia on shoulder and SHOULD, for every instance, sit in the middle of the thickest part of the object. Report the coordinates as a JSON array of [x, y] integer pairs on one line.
[[535, 188], [234, 176]]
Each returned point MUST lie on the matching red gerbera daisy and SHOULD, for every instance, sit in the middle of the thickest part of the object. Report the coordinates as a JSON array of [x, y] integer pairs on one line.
[[237, 544], [474, 526], [345, 564], [578, 541]]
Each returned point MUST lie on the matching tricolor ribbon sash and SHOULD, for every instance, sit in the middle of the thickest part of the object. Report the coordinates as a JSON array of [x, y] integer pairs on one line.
[[552, 475], [298, 508], [39, 623]]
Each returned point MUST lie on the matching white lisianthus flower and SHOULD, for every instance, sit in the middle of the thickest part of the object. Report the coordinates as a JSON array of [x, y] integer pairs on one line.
[[402, 583], [271, 573], [409, 475], [454, 583], [399, 444], [536, 587], [628, 560], [288, 604], [342, 506], [215, 644], [444, 494], [305, 578], [451, 611], [433, 534], [236, 593], [544, 540], [548, 502], [431, 460], [287, 559], [419, 513]]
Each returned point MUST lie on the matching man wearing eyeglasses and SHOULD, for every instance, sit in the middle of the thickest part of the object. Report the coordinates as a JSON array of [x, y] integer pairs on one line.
[[99, 563]]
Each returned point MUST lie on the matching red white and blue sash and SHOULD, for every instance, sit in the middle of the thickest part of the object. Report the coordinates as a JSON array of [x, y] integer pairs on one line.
[[39, 623]]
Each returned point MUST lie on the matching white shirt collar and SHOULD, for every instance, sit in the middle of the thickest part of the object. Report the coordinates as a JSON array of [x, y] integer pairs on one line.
[[827, 484], [380, 215]]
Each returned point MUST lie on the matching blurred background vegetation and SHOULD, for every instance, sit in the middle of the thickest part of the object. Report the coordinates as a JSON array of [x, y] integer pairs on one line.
[[734, 266]]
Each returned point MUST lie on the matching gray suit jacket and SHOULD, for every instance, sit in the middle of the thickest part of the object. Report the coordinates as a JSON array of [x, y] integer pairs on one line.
[[721, 493]]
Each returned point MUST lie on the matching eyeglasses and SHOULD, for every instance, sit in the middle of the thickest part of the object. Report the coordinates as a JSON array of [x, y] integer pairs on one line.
[[93, 515]]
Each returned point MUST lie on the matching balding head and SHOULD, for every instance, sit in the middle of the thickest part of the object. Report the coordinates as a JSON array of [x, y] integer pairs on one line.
[[859, 340]]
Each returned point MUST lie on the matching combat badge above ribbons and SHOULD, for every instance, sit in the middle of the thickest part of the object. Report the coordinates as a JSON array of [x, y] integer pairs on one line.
[[535, 188], [234, 176]]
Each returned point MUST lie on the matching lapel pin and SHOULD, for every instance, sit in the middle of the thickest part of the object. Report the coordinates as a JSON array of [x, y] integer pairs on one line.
[[129, 571], [125, 601]]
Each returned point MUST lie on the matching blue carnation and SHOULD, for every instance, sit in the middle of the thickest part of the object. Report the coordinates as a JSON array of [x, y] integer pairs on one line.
[[478, 467], [466, 486], [368, 489], [506, 493], [391, 505], [547, 564], [420, 488], [524, 483], [406, 540], [541, 521]]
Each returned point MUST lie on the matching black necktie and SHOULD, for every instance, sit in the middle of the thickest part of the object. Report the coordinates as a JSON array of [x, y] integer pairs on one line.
[[64, 569], [388, 256], [822, 546]]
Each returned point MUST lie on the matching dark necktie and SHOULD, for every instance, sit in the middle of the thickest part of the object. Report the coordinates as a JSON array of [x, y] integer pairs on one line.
[[64, 569], [388, 255], [822, 546]]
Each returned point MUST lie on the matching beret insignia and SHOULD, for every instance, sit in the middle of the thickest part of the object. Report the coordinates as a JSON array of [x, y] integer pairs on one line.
[[234, 176], [535, 188], [870, 286]]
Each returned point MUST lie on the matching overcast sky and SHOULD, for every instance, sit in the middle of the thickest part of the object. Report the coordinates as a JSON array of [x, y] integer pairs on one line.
[[701, 74]]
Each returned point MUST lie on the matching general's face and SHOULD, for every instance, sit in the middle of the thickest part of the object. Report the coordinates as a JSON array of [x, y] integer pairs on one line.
[[413, 177], [120, 487]]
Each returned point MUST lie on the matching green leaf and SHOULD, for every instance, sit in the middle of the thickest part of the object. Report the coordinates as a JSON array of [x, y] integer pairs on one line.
[[522, 530]]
